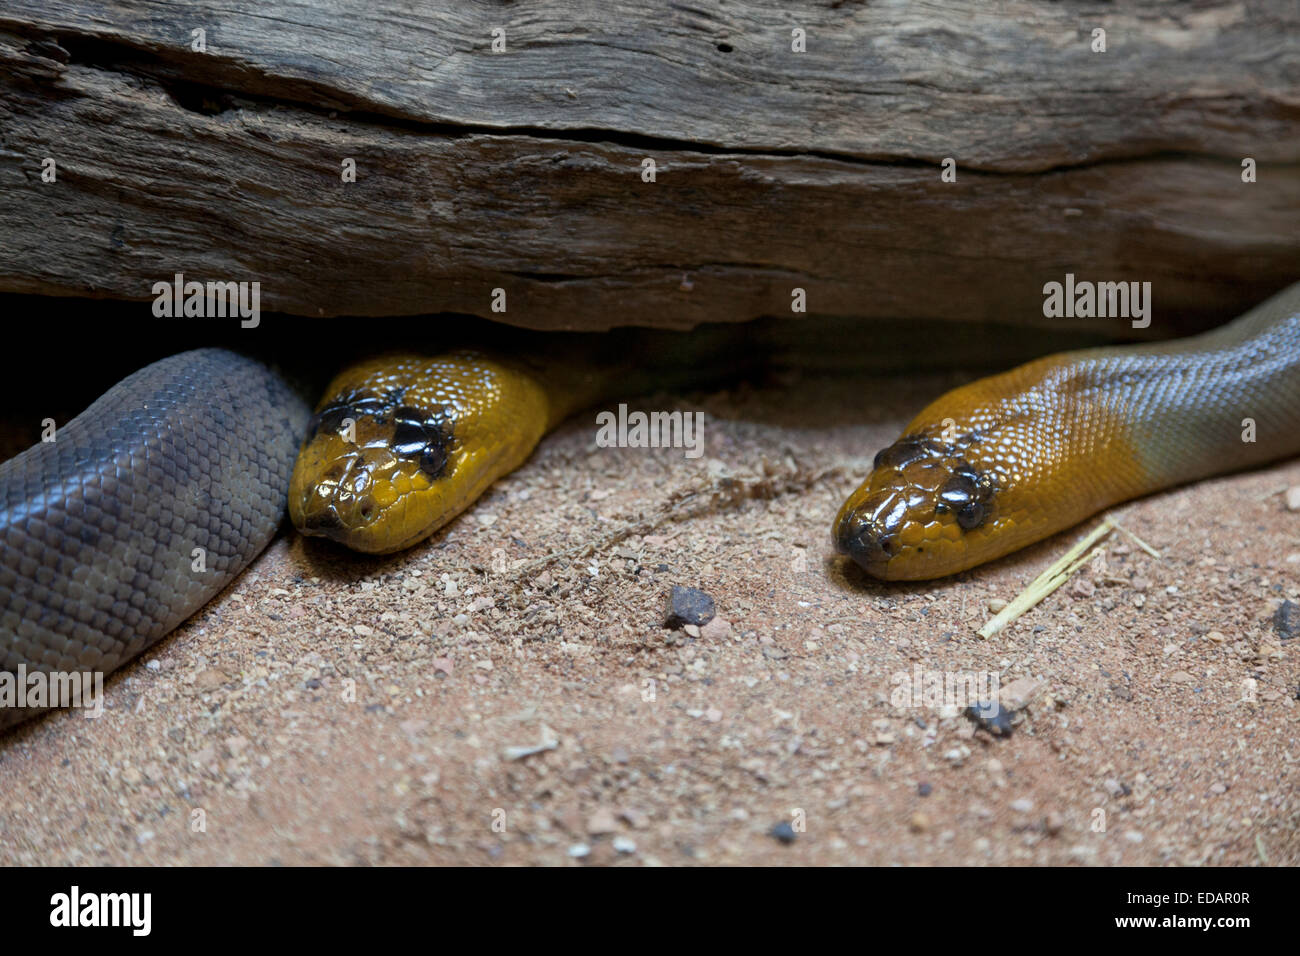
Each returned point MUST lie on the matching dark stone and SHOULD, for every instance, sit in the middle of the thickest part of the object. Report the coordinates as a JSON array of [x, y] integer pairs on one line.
[[924, 789], [689, 606], [991, 716], [784, 832], [1286, 620]]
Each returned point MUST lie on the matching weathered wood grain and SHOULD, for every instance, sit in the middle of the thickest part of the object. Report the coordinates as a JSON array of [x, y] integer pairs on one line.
[[775, 170], [998, 84]]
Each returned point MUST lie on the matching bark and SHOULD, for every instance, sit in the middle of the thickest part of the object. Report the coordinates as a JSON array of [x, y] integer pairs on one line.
[[774, 170]]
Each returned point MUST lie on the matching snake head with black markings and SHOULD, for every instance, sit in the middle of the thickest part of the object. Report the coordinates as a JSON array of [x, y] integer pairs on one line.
[[922, 508], [402, 444]]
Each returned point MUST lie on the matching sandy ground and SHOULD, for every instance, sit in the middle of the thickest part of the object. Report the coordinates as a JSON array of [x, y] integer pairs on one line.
[[330, 709]]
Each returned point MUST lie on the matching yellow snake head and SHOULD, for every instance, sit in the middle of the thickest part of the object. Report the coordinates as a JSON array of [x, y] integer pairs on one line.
[[402, 444], [1007, 460], [925, 511]]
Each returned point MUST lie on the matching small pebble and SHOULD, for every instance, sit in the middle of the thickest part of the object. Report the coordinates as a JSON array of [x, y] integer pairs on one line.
[[689, 606], [635, 818], [991, 716], [919, 822], [1293, 498], [1023, 805], [783, 831], [718, 629], [1017, 694], [601, 822], [1268, 649], [1286, 620], [624, 844], [210, 679], [579, 850], [957, 755], [997, 605], [1082, 588]]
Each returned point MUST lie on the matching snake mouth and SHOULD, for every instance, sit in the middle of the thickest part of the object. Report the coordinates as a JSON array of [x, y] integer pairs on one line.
[[323, 521]]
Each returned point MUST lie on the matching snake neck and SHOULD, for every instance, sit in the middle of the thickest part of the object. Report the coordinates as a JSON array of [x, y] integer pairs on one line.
[[592, 371]]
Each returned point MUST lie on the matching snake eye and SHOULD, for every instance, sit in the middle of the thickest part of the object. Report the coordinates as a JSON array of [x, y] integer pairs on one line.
[[971, 515], [408, 439]]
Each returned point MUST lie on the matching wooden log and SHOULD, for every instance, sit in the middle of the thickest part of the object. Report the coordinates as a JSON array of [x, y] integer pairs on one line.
[[774, 170]]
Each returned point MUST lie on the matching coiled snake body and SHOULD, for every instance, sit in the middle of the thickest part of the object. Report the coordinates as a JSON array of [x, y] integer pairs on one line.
[[140, 511], [151, 501]]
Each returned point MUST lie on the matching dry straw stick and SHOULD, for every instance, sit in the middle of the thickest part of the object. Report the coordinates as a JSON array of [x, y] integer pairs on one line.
[[1051, 579]]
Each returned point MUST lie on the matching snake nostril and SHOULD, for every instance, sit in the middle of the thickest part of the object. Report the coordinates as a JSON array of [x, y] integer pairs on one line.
[[866, 544], [322, 521]]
